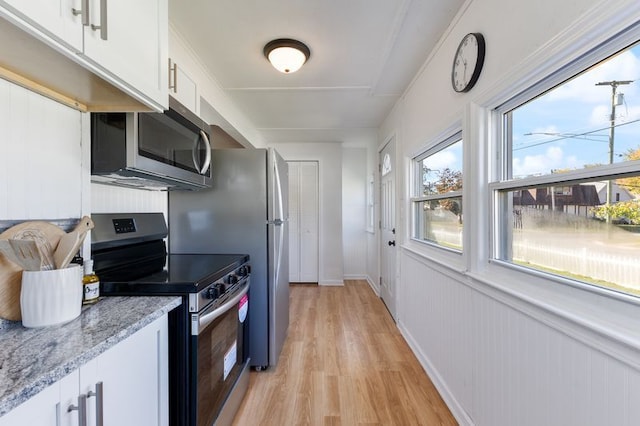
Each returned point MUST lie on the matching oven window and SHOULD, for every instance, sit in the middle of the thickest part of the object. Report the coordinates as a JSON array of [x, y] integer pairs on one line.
[[220, 359]]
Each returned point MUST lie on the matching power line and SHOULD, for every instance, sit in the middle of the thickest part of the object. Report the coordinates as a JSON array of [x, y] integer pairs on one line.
[[574, 136]]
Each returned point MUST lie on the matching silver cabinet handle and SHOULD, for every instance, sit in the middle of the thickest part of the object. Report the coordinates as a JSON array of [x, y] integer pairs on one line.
[[99, 394], [173, 69], [84, 11], [103, 20], [81, 408]]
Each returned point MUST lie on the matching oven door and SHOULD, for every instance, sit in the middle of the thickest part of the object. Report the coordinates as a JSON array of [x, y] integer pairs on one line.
[[220, 358]]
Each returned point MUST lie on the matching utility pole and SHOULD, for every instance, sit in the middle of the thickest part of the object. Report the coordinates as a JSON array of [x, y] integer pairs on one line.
[[612, 119]]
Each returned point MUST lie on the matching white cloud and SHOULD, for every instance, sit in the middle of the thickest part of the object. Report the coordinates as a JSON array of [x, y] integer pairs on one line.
[[625, 66], [600, 114], [552, 158], [441, 160]]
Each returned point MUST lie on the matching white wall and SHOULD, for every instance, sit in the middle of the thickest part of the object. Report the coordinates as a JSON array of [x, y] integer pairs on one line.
[[40, 157], [354, 213], [329, 158], [503, 347]]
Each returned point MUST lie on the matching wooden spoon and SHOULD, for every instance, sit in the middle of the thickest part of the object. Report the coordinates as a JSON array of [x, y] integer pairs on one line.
[[70, 243]]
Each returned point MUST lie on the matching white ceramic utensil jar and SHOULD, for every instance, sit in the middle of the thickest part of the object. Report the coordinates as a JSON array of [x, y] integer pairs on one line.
[[51, 297]]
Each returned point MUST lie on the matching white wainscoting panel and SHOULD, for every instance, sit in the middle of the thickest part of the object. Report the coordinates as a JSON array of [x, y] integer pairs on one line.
[[115, 199], [435, 316], [40, 157], [497, 366]]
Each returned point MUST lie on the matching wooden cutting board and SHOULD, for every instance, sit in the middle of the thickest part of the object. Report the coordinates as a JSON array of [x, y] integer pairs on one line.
[[11, 274]]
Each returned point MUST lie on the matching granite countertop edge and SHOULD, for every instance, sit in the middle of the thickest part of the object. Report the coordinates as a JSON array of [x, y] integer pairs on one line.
[[33, 359]]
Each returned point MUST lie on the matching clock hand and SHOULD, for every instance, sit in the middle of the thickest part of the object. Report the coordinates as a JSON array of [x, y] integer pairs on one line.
[[464, 75]]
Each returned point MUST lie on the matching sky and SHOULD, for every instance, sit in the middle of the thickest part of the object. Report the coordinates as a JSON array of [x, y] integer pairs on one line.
[[568, 127]]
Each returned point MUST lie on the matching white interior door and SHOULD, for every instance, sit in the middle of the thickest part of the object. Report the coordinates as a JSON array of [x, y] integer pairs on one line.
[[388, 227], [303, 221]]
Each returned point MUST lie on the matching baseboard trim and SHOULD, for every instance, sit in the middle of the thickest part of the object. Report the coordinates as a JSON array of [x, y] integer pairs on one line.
[[331, 283], [373, 285], [456, 408]]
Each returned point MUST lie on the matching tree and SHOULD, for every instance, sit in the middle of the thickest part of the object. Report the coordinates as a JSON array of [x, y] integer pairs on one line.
[[449, 181], [624, 210], [632, 184]]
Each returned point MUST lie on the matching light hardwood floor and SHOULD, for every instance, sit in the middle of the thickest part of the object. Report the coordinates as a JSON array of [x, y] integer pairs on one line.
[[344, 363]]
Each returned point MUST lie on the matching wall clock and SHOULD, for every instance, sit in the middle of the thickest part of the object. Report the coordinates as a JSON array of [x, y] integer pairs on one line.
[[467, 63]]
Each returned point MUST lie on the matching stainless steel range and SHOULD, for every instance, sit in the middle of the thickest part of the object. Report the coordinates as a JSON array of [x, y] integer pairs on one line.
[[208, 334]]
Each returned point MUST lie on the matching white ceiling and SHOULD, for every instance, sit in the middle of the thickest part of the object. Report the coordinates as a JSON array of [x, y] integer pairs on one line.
[[364, 53]]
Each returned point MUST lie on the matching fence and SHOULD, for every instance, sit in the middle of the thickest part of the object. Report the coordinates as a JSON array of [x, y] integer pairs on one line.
[[623, 270]]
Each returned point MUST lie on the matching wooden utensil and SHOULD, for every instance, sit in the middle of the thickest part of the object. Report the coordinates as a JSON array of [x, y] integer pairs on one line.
[[27, 254], [7, 251], [45, 251], [11, 273], [10, 286], [70, 243]]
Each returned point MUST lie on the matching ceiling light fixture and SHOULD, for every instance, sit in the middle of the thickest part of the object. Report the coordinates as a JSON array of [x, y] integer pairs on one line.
[[287, 55]]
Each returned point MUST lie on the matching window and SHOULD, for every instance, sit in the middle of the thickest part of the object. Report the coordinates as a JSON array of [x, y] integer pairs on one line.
[[567, 194], [437, 197], [370, 204]]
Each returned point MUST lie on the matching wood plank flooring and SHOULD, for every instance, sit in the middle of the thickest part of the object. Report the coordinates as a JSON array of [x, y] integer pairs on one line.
[[344, 363]]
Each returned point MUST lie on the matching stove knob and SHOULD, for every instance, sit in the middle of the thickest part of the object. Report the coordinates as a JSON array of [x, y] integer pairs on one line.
[[232, 279], [243, 271], [212, 293]]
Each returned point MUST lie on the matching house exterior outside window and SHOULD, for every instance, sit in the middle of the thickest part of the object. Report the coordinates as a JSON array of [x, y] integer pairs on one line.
[[437, 195], [567, 194]]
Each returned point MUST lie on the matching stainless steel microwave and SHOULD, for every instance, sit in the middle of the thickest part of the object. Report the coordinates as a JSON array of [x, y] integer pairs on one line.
[[150, 150]]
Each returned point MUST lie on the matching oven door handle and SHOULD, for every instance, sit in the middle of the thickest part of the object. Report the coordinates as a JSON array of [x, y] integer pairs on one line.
[[201, 320]]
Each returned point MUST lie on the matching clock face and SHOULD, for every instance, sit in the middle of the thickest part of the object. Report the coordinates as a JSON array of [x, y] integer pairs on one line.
[[468, 62]]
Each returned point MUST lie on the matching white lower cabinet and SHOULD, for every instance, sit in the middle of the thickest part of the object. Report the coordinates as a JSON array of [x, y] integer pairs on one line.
[[134, 376], [40, 410], [128, 381]]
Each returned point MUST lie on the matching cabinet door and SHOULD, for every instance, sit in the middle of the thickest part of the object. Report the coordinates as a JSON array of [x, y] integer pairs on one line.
[[46, 407], [55, 18], [303, 221], [182, 87], [134, 376], [134, 46]]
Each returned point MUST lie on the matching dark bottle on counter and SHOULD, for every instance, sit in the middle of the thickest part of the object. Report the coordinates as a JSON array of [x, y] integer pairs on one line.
[[90, 284]]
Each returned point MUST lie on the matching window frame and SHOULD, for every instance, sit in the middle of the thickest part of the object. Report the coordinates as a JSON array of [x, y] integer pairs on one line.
[[449, 138], [500, 181]]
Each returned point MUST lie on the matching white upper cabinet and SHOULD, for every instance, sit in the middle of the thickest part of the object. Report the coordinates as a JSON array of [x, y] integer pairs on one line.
[[123, 42], [56, 18], [184, 79], [182, 86], [130, 40]]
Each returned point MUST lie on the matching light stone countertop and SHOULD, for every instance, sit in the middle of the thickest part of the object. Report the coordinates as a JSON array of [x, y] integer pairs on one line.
[[32, 359]]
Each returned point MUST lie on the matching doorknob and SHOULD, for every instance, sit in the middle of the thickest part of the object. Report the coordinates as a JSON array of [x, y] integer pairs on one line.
[[392, 243]]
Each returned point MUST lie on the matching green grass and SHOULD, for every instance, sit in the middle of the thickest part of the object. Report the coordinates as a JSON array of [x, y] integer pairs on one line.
[[630, 228], [576, 277]]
